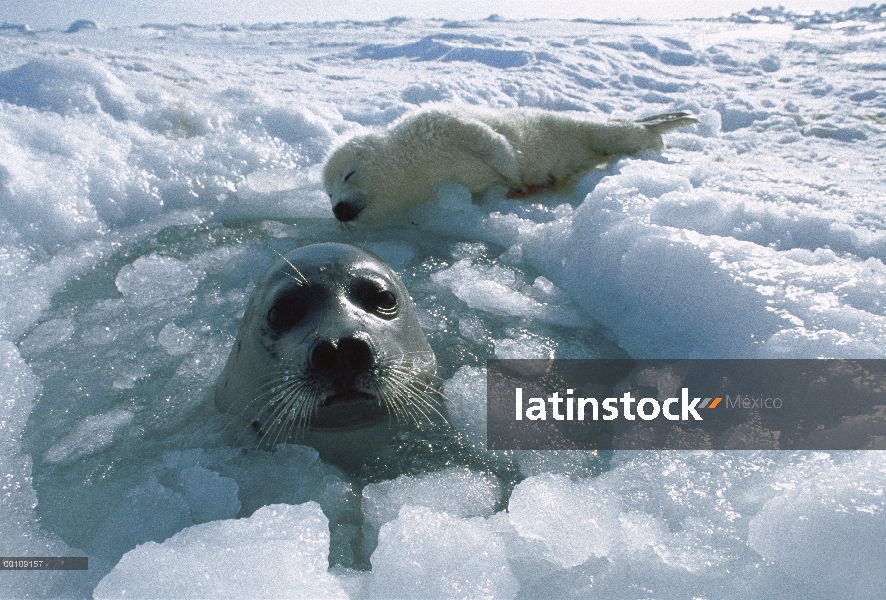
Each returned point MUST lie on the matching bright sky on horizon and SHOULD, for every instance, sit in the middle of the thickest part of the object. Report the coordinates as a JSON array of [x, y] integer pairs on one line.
[[56, 14]]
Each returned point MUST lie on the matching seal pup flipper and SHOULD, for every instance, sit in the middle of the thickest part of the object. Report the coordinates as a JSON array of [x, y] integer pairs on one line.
[[477, 139], [668, 121], [623, 138]]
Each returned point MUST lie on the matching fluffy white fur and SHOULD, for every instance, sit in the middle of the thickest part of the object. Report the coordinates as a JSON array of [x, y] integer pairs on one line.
[[373, 176]]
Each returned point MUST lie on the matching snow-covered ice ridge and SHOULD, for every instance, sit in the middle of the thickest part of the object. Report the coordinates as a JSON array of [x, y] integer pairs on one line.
[[149, 175], [874, 13]]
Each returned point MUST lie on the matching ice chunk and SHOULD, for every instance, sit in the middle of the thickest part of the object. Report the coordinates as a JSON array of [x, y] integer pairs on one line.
[[471, 328], [495, 289], [428, 554], [770, 63], [147, 512], [524, 345], [575, 463], [662, 290], [280, 551], [456, 491], [827, 532], [210, 496], [574, 520], [176, 340], [466, 401], [154, 278], [277, 193], [48, 335], [81, 25], [92, 433], [291, 474]]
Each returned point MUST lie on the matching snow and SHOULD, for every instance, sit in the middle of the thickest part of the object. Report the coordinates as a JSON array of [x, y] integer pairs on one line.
[[149, 175]]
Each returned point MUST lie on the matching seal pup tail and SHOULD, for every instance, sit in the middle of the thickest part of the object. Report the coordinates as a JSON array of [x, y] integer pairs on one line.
[[663, 123]]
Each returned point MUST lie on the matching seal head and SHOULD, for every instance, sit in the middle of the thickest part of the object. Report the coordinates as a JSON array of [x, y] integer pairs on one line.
[[329, 342], [350, 173]]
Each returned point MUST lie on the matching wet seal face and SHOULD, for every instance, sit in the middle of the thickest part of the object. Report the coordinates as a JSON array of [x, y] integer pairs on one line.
[[329, 354]]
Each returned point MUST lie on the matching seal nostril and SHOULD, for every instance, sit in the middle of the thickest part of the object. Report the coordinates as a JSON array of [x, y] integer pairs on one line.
[[355, 355], [324, 358], [347, 211], [342, 361]]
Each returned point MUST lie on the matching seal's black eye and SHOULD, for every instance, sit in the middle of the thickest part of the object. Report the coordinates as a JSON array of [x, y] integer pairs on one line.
[[285, 314], [293, 306], [349, 175], [387, 301], [375, 299]]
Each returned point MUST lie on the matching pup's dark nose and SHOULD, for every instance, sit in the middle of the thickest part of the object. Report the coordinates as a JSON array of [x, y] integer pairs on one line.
[[348, 210], [343, 361]]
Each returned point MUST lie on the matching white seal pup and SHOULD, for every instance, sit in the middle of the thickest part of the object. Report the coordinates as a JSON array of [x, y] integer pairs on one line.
[[373, 176], [329, 354]]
